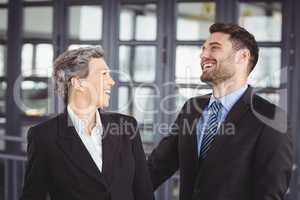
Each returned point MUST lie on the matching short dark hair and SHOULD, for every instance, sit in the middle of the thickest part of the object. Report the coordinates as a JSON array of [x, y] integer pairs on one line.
[[240, 38], [73, 63]]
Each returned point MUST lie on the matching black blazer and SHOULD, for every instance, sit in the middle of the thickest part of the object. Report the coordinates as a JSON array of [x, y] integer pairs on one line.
[[60, 165], [250, 158]]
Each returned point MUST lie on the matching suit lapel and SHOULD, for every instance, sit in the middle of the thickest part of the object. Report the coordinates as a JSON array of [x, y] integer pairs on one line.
[[70, 143], [110, 143]]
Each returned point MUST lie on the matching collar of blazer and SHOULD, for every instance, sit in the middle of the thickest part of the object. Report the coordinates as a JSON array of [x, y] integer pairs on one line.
[[72, 146]]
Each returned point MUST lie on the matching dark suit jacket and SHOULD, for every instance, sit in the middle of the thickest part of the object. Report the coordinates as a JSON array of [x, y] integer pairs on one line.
[[59, 163], [250, 159]]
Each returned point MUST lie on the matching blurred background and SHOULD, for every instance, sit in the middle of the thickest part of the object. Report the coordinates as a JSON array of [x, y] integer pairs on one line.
[[152, 48]]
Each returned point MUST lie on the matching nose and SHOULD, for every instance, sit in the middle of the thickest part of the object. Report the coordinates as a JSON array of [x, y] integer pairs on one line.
[[204, 53], [111, 81]]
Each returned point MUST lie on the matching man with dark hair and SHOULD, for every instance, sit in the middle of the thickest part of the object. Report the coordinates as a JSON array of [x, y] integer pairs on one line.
[[86, 153], [231, 144]]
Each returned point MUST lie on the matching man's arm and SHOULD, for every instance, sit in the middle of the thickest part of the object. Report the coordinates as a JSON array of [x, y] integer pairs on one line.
[[142, 183], [163, 162], [272, 165], [35, 183]]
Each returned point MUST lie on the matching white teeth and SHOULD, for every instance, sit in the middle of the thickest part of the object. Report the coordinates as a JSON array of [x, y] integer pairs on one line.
[[207, 65]]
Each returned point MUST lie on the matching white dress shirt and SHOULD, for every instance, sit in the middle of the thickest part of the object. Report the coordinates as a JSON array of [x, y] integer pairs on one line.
[[92, 142]]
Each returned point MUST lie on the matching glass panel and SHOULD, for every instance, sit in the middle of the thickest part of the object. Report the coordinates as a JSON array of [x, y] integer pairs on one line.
[[2, 60], [2, 147], [27, 57], [194, 19], [34, 98], [44, 60], [138, 22], [269, 61], [146, 135], [272, 97], [3, 1], [2, 98], [123, 100], [183, 94], [85, 22], [37, 60], [188, 68], [76, 46], [137, 63], [143, 108], [264, 20], [3, 23], [38, 22]]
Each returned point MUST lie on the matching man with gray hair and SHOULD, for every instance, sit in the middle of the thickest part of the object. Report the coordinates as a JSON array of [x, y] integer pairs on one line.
[[85, 153]]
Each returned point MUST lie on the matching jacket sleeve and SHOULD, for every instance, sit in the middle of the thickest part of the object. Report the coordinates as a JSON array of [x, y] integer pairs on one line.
[[35, 181], [142, 186], [163, 162], [273, 165]]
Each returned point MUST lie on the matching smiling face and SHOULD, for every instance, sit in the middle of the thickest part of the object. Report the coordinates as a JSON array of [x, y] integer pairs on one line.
[[93, 91], [99, 82], [218, 59]]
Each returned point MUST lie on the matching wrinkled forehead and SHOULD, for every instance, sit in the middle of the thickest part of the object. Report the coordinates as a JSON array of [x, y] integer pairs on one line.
[[98, 64]]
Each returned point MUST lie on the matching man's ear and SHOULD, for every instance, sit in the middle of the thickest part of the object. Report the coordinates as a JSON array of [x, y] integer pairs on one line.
[[76, 83], [243, 57]]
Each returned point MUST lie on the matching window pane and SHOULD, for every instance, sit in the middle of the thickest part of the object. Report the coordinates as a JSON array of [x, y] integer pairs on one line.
[[37, 60], [194, 19], [2, 60], [76, 46], [85, 22], [143, 108], [146, 135], [272, 97], [44, 59], [34, 98], [2, 98], [3, 23], [27, 57], [3, 1], [183, 94], [137, 63], [267, 71], [138, 22], [123, 100], [38, 22], [188, 68], [264, 20]]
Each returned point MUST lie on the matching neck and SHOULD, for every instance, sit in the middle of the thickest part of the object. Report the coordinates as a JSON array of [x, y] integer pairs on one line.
[[226, 87], [88, 115]]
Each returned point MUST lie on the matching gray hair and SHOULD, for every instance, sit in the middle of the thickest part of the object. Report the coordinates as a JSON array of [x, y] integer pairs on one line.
[[73, 63]]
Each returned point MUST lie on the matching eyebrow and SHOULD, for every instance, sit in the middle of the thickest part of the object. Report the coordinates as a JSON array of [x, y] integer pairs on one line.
[[211, 44]]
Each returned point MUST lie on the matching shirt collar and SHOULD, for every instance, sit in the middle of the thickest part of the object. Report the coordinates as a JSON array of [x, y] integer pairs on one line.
[[230, 99], [79, 124]]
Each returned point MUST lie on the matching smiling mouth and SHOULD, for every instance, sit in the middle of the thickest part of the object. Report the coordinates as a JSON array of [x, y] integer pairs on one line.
[[107, 92], [207, 66]]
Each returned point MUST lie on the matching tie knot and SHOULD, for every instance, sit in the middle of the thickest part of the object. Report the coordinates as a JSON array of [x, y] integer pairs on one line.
[[215, 107]]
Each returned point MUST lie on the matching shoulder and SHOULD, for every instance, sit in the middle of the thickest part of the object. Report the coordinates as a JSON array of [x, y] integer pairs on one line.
[[44, 129], [273, 117]]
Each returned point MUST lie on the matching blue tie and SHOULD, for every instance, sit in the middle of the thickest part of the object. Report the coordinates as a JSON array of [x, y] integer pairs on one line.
[[211, 128]]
